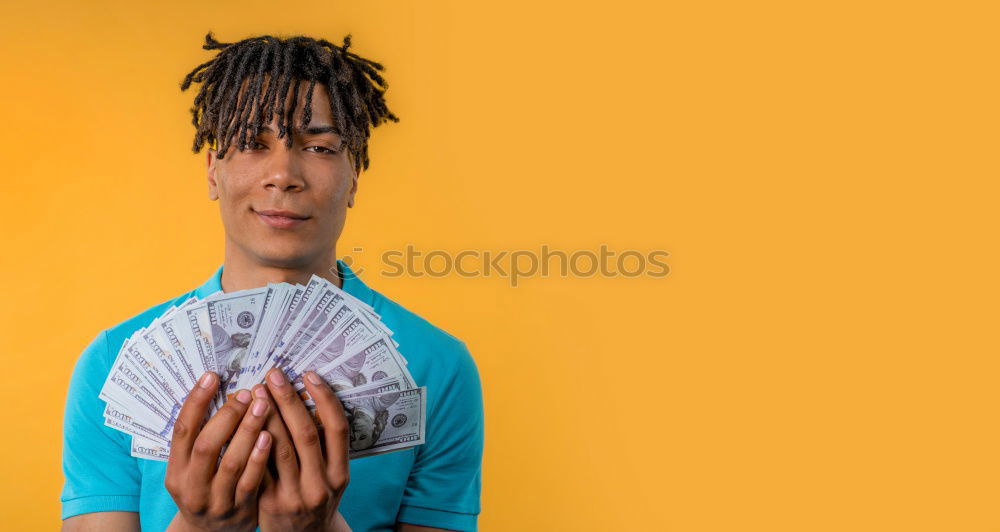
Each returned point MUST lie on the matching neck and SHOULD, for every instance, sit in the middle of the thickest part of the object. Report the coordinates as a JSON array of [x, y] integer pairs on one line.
[[240, 271]]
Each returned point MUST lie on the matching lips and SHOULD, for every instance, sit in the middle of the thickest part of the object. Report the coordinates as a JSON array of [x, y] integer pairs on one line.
[[281, 219]]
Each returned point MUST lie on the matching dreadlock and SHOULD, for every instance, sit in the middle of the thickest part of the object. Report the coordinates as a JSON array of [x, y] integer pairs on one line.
[[353, 84]]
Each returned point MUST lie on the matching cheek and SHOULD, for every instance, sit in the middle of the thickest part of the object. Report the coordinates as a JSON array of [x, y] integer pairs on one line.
[[233, 189], [341, 190], [333, 196]]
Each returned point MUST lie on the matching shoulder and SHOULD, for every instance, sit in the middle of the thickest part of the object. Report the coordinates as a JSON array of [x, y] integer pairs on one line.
[[113, 337], [428, 349], [443, 364]]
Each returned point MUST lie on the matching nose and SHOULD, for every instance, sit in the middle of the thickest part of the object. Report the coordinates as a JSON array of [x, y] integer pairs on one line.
[[282, 170]]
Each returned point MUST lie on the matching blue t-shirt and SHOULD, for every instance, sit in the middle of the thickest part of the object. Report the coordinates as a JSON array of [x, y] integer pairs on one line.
[[436, 484]]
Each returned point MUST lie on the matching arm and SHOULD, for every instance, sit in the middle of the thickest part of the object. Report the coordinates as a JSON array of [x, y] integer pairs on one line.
[[102, 522], [101, 487], [443, 490]]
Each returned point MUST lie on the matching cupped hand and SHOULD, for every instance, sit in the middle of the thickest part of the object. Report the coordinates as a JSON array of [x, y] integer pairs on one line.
[[311, 464], [211, 494]]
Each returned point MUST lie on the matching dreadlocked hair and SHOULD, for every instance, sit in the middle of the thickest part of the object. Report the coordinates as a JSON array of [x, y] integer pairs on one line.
[[354, 86]]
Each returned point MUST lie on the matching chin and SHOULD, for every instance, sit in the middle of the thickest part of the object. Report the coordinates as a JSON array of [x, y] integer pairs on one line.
[[293, 257]]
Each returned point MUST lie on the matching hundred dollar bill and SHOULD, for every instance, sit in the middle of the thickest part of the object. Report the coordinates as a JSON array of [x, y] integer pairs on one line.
[[314, 300], [198, 330], [321, 318], [241, 335], [335, 322], [356, 303], [353, 333], [338, 312], [180, 371], [386, 421], [149, 449], [368, 313], [262, 354], [276, 299], [382, 416], [116, 418], [309, 323], [156, 372], [318, 315], [165, 361], [226, 327], [125, 388], [175, 333], [126, 370], [375, 361], [374, 388]]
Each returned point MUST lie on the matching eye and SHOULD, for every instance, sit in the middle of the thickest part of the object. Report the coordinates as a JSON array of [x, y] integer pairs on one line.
[[327, 150]]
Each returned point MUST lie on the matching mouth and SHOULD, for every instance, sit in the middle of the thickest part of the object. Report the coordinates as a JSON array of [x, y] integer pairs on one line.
[[281, 219]]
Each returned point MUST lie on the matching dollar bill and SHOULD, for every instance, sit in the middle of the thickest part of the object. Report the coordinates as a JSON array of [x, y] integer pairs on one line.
[[282, 317], [149, 449], [274, 303], [385, 422], [230, 321], [382, 417], [240, 336], [376, 361], [352, 334]]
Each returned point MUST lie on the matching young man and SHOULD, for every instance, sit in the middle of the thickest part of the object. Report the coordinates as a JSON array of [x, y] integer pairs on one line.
[[299, 111]]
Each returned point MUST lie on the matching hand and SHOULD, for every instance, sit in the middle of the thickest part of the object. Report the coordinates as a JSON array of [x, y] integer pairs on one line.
[[223, 497], [312, 468]]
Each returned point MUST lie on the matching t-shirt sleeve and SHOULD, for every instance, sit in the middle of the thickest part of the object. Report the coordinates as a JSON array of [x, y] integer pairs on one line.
[[445, 482], [100, 473]]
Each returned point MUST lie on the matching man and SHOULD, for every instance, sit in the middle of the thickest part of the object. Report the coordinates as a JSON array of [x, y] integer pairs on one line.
[[368, 416], [299, 111], [231, 348]]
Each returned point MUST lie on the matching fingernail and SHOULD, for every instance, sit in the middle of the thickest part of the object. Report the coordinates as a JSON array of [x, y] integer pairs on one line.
[[207, 380], [263, 440], [314, 378], [260, 392], [258, 408], [243, 396], [277, 378]]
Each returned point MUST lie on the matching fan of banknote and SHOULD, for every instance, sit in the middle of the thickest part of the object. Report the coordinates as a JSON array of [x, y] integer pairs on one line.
[[240, 336]]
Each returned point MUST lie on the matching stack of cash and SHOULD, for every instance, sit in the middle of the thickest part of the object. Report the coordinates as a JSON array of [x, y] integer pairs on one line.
[[240, 336]]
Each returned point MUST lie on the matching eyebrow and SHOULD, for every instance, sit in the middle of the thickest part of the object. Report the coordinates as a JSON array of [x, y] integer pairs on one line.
[[313, 130]]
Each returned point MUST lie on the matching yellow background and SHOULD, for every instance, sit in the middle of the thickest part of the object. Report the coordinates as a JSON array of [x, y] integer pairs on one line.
[[822, 356]]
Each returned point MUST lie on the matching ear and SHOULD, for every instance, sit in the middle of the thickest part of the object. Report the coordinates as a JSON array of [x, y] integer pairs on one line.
[[354, 189], [213, 187], [381, 420]]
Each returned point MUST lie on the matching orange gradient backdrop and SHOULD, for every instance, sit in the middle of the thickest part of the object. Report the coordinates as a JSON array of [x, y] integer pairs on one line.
[[822, 356]]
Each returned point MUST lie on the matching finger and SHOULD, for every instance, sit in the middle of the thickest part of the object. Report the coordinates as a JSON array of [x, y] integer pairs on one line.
[[300, 425], [267, 482], [191, 418], [234, 460], [335, 429], [253, 475], [208, 444], [286, 465]]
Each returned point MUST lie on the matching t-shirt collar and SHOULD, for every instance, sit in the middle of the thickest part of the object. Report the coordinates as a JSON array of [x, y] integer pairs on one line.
[[352, 284]]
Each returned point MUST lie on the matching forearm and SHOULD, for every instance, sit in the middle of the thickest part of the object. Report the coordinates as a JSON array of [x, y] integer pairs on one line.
[[102, 522]]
